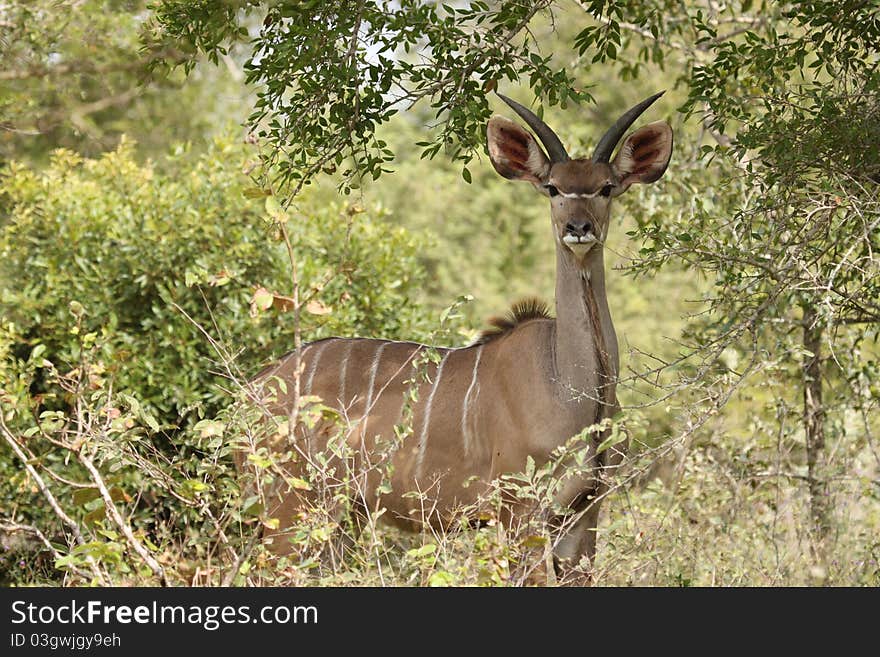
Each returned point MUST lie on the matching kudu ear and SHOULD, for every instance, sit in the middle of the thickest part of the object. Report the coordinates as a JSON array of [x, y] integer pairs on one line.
[[644, 156], [514, 152]]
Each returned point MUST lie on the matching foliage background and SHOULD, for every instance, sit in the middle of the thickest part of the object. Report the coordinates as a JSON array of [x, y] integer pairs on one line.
[[144, 275]]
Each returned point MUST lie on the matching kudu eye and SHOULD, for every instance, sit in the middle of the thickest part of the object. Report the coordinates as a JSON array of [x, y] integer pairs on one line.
[[606, 190], [551, 190]]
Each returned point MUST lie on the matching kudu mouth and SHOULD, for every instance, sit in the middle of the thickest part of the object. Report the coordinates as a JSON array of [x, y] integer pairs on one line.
[[580, 245], [579, 236]]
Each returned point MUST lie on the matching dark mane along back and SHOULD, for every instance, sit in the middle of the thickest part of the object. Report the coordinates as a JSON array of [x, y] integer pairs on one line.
[[520, 312]]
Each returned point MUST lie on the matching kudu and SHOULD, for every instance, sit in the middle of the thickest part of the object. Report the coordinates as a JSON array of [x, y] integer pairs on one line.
[[522, 389]]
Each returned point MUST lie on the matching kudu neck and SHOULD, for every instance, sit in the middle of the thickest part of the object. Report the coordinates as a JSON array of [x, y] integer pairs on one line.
[[586, 344]]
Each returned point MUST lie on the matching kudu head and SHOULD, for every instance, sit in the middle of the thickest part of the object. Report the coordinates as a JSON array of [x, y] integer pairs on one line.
[[580, 190]]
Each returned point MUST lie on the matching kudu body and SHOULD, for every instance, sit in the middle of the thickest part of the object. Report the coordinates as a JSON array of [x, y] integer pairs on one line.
[[518, 392]]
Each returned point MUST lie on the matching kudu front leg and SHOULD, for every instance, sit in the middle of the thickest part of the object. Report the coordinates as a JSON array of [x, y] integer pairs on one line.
[[575, 550]]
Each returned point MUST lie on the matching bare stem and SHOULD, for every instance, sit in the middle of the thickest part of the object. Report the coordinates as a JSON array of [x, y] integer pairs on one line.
[[13, 527], [119, 521], [44, 489]]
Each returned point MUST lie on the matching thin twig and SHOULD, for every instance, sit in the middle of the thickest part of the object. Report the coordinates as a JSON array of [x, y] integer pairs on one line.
[[123, 526], [13, 527], [44, 489]]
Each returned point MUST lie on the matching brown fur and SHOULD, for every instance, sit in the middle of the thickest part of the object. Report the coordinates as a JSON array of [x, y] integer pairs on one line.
[[580, 176], [521, 312]]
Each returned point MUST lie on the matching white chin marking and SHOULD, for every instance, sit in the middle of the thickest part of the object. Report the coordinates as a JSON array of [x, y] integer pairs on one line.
[[579, 245]]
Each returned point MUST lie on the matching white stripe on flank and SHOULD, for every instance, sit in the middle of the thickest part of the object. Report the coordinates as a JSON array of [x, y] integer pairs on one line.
[[473, 388], [343, 372], [373, 371], [423, 439], [307, 388]]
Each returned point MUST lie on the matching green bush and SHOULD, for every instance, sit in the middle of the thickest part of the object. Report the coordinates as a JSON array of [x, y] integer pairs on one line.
[[134, 262], [132, 305]]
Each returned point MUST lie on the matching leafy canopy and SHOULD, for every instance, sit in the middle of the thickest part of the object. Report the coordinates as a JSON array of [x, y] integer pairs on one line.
[[329, 74]]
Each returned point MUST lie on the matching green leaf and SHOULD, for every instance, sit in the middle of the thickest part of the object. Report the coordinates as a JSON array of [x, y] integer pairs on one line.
[[616, 437], [441, 578], [209, 428], [297, 483], [263, 299], [423, 551], [81, 496], [534, 541], [254, 509], [151, 422], [92, 518], [259, 461], [274, 209]]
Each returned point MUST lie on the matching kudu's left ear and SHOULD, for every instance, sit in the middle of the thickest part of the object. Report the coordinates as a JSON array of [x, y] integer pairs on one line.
[[514, 152], [644, 156]]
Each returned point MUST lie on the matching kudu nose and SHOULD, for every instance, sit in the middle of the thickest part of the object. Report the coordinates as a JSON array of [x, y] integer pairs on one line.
[[579, 228]]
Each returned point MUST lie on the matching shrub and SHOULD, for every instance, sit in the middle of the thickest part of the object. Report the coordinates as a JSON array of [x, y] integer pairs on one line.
[[128, 296], [140, 260]]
